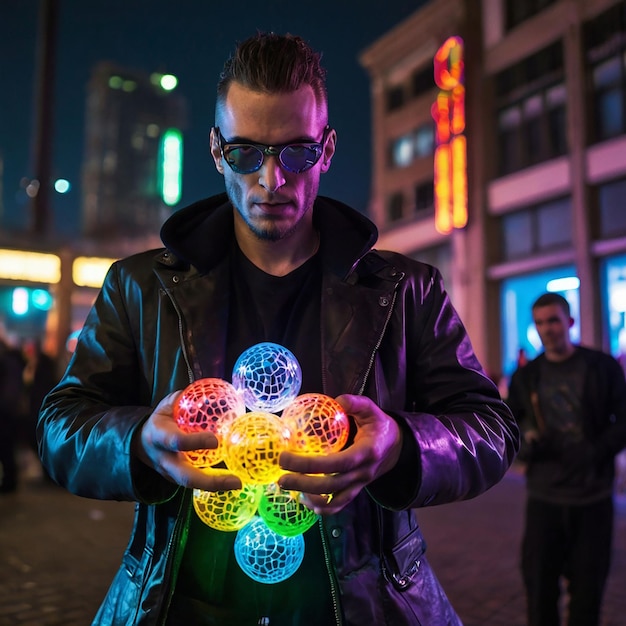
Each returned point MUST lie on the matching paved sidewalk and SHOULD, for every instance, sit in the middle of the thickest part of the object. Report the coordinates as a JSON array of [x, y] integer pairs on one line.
[[58, 554], [474, 548]]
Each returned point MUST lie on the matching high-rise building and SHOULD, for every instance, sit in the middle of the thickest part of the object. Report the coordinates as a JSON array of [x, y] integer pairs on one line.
[[541, 85], [133, 152]]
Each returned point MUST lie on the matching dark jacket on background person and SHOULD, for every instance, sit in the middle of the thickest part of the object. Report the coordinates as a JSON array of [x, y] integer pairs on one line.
[[388, 330], [604, 425]]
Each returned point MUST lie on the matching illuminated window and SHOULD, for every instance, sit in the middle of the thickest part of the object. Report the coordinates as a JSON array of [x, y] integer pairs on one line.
[[517, 295], [425, 141], [402, 151], [613, 279]]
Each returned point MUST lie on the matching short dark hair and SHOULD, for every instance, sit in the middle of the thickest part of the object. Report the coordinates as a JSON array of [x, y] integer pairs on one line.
[[550, 298], [272, 63]]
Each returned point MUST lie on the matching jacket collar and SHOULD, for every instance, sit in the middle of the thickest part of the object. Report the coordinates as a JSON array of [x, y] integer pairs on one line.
[[201, 234]]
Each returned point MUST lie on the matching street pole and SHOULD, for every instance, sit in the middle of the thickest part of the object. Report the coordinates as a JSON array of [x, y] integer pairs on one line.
[[44, 115]]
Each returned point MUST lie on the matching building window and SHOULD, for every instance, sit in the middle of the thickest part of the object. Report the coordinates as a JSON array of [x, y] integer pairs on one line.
[[517, 11], [395, 207], [530, 111], [613, 277], [402, 151], [424, 197], [422, 81], [611, 214], [417, 144], [536, 229], [395, 97], [605, 46], [425, 141]]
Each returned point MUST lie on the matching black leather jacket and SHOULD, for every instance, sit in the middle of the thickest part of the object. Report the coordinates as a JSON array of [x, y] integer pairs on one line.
[[388, 331]]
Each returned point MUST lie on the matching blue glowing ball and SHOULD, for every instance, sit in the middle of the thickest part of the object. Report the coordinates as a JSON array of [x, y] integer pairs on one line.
[[266, 556], [268, 376]]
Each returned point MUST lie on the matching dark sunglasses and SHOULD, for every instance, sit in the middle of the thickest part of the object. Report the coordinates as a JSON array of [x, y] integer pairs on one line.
[[245, 158]]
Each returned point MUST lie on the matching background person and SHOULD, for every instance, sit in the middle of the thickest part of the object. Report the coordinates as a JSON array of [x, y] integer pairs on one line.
[[570, 403], [271, 261], [11, 366]]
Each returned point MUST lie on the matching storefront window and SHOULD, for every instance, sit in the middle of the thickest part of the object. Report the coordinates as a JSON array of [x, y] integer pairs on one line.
[[517, 296], [613, 273]]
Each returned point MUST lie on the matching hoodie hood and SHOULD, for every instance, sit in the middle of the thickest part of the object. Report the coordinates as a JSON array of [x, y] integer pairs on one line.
[[202, 233]]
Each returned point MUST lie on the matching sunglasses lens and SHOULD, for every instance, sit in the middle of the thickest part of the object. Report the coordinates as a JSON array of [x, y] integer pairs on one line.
[[244, 159], [299, 158]]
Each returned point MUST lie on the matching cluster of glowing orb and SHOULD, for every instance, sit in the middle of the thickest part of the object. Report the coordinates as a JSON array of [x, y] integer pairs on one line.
[[245, 418]]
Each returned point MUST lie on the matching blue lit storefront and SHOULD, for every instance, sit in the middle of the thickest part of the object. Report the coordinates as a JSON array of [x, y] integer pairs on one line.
[[519, 292]]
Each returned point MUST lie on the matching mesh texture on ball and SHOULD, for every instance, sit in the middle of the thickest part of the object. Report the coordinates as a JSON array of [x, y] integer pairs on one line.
[[283, 512], [268, 376], [266, 556], [252, 446], [227, 510], [318, 424], [208, 404]]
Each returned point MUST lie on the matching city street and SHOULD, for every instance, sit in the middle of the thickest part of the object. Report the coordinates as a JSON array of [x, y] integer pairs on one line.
[[59, 552]]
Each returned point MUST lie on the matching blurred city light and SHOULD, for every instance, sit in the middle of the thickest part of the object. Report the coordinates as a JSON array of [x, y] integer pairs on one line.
[[61, 185], [563, 284], [171, 163], [169, 82], [32, 266], [90, 271]]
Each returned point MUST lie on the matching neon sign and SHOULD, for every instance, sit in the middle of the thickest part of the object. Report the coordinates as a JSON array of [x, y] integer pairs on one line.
[[450, 164]]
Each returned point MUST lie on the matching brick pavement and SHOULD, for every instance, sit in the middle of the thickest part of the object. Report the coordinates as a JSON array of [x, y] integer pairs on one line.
[[59, 552]]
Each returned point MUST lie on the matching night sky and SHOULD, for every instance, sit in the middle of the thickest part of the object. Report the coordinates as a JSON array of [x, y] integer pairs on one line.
[[191, 39]]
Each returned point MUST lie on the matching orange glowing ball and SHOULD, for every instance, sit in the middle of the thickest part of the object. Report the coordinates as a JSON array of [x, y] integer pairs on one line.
[[318, 424], [208, 404]]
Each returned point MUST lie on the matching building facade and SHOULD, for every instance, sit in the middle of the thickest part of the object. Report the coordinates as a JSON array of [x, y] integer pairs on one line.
[[545, 127], [133, 152]]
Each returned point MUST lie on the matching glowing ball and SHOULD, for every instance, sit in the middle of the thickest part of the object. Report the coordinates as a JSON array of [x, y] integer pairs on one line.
[[318, 424], [252, 446], [266, 556], [268, 376], [207, 404], [227, 510], [283, 512]]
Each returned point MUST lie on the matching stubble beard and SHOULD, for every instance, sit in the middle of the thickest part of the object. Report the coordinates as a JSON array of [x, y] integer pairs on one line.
[[266, 229]]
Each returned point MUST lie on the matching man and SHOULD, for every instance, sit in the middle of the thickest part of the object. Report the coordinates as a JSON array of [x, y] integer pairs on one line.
[[570, 403], [272, 261]]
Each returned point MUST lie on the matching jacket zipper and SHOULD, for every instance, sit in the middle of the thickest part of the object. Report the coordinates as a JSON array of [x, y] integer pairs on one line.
[[172, 556], [380, 340], [334, 593]]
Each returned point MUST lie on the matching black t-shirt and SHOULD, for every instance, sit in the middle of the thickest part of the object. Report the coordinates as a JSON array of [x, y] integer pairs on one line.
[[211, 588]]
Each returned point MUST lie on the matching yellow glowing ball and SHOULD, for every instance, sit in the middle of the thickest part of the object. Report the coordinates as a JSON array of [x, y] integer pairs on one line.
[[208, 404], [318, 424], [252, 446], [283, 512], [227, 510]]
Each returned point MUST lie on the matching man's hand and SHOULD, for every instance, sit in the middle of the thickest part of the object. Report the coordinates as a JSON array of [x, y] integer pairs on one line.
[[330, 482], [160, 445]]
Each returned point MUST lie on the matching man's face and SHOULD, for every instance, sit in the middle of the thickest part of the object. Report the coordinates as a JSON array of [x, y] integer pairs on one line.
[[272, 202], [553, 326]]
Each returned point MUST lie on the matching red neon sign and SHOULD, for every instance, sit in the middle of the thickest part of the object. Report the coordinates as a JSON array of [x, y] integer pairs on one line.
[[450, 163]]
